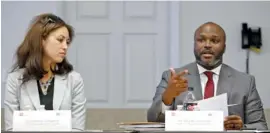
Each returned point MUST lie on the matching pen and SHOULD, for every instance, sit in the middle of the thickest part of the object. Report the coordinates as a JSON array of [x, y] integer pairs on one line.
[[248, 128], [232, 105]]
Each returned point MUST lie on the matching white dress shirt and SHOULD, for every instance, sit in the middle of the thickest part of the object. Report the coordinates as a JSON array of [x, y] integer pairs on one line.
[[204, 79]]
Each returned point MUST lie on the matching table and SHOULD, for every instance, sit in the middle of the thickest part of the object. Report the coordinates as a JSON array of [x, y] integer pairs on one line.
[[119, 131]]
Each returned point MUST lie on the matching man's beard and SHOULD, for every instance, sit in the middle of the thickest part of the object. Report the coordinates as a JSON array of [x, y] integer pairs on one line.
[[209, 65]]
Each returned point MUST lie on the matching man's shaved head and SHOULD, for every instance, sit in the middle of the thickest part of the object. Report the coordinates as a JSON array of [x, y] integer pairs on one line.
[[211, 24], [209, 45]]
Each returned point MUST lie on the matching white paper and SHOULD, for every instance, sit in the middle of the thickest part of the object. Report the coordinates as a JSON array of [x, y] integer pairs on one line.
[[215, 103], [194, 121], [47, 120]]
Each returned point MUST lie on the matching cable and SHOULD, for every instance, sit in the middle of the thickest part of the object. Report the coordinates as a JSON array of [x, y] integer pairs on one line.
[[247, 61]]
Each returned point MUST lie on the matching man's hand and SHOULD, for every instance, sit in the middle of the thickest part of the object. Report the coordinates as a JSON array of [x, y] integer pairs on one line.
[[176, 85], [233, 122]]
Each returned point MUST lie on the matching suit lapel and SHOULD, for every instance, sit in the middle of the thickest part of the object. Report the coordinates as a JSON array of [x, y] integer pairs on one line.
[[195, 81], [32, 90], [225, 81], [59, 91]]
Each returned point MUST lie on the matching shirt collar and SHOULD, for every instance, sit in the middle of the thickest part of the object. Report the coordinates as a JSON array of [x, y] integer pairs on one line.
[[215, 70]]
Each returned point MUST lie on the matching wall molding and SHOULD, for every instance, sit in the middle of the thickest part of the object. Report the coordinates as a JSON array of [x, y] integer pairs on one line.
[[174, 33]]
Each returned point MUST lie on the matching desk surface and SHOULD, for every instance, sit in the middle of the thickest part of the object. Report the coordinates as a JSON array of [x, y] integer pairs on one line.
[[207, 132]]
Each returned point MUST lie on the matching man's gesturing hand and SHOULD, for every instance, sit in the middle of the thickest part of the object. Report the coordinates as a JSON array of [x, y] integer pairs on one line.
[[176, 85]]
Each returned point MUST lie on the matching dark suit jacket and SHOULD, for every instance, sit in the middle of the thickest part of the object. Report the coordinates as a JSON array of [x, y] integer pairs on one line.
[[240, 88]]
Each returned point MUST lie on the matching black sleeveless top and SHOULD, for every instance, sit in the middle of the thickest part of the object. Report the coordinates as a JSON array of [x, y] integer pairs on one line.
[[46, 100]]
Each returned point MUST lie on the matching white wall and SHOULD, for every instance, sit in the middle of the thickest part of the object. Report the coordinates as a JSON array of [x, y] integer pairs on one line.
[[230, 15], [16, 17]]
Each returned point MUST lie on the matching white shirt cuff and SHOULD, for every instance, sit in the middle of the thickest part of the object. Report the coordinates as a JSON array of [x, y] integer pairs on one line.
[[165, 107]]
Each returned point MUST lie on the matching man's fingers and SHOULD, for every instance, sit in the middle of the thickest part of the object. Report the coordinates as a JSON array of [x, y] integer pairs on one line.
[[183, 80], [233, 122], [238, 126], [226, 119], [229, 128], [183, 73], [175, 81], [180, 86], [229, 125], [233, 117], [179, 76], [172, 72]]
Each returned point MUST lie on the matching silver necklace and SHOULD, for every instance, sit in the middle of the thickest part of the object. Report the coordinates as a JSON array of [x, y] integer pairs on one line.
[[44, 86]]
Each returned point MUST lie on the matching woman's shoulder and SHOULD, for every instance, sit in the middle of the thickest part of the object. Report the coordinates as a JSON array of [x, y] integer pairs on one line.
[[14, 77], [17, 73], [74, 78], [74, 75]]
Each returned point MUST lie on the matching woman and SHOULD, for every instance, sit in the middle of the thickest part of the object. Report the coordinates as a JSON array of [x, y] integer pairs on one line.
[[42, 75]]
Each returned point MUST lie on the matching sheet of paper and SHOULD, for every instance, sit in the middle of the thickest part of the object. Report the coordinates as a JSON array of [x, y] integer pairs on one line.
[[194, 121], [215, 103], [55, 120]]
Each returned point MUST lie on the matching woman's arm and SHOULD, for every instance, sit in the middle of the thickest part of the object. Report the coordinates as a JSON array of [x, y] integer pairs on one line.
[[11, 101], [78, 108]]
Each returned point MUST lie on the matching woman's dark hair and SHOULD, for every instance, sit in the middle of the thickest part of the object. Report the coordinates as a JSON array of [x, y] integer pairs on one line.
[[30, 53]]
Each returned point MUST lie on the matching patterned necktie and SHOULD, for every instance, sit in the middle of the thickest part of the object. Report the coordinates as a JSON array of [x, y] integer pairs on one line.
[[209, 88]]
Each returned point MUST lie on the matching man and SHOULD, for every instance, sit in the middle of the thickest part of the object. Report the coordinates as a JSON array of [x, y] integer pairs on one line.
[[209, 77]]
